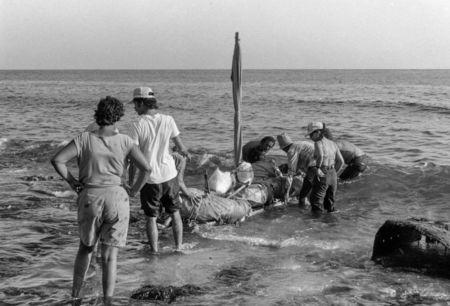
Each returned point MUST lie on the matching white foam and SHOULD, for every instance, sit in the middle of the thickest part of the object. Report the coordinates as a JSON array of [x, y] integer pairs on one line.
[[258, 241], [3, 141], [63, 143], [64, 194]]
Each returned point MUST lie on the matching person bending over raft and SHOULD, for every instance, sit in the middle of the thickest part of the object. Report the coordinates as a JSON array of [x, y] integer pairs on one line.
[[354, 157], [103, 204], [255, 150], [328, 162], [300, 162]]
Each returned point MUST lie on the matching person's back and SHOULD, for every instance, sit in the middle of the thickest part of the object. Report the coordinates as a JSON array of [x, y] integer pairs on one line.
[[102, 159], [348, 150], [328, 151], [248, 151], [301, 155], [354, 157], [153, 134], [263, 170], [103, 203]]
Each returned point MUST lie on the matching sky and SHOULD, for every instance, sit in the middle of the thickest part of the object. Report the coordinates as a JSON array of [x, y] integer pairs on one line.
[[199, 34]]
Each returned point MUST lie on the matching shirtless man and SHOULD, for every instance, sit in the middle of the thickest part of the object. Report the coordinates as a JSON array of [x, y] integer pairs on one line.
[[328, 162]]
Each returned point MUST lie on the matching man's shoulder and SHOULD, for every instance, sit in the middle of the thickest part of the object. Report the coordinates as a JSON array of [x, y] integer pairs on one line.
[[138, 121], [123, 136], [304, 145]]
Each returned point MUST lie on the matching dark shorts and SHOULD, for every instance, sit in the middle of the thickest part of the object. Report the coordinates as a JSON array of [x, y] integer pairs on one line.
[[153, 196]]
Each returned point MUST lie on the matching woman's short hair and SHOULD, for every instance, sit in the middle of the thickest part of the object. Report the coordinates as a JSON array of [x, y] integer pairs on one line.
[[109, 111], [151, 103]]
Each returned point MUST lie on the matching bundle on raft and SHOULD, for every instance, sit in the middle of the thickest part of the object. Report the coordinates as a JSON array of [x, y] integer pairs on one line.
[[208, 207], [414, 243]]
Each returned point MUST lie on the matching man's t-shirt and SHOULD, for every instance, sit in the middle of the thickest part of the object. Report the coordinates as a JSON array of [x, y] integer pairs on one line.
[[152, 133], [101, 159]]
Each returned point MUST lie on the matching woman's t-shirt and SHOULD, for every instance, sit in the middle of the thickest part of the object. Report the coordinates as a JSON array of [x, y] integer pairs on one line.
[[102, 159]]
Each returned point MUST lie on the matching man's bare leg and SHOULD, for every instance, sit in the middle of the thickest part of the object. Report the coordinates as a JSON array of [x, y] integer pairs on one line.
[[152, 233], [177, 228]]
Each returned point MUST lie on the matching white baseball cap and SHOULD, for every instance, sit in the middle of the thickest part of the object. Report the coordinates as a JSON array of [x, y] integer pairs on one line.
[[143, 92], [314, 126]]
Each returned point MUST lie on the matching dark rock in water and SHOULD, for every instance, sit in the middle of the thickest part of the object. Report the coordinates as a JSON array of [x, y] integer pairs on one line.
[[166, 293], [414, 243]]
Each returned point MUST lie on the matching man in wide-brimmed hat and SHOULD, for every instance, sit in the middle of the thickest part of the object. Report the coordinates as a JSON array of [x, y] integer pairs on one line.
[[300, 160]]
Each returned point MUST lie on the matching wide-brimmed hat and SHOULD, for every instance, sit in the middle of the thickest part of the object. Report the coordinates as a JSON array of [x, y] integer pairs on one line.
[[314, 126], [143, 92], [284, 140]]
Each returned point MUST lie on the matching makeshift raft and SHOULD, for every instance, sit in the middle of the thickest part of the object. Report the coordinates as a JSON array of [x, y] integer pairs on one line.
[[414, 243], [208, 207], [220, 209]]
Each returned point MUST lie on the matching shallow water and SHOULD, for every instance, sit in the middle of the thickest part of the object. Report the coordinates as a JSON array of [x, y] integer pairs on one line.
[[284, 256]]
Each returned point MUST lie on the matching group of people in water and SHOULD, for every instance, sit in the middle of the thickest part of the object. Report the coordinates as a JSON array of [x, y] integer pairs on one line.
[[106, 157], [317, 163]]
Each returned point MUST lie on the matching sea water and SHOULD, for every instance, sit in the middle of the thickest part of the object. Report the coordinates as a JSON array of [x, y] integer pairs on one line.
[[285, 256]]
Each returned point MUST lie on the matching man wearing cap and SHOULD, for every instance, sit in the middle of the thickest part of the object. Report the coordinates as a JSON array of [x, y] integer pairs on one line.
[[328, 162], [153, 132], [300, 162]]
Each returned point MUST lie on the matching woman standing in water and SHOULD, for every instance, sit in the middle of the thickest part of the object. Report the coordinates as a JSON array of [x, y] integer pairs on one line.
[[103, 204], [328, 161]]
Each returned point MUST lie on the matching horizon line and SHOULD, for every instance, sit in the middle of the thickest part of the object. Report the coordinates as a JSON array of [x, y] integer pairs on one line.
[[203, 69]]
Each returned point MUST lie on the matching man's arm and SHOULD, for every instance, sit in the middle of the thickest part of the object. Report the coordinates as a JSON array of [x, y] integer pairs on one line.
[[180, 176], [181, 148], [132, 131], [131, 173], [292, 156], [138, 160], [339, 160]]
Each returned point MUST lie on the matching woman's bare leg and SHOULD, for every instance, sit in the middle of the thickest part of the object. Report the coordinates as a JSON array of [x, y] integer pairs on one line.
[[82, 262], [109, 270]]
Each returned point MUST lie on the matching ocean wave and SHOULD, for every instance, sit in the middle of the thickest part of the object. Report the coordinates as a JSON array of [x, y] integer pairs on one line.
[[3, 141], [416, 106]]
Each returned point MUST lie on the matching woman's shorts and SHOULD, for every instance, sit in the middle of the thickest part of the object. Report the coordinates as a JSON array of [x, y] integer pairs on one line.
[[103, 213]]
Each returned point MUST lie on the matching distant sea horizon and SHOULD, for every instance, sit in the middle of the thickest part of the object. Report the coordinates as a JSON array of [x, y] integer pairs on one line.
[[220, 69]]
